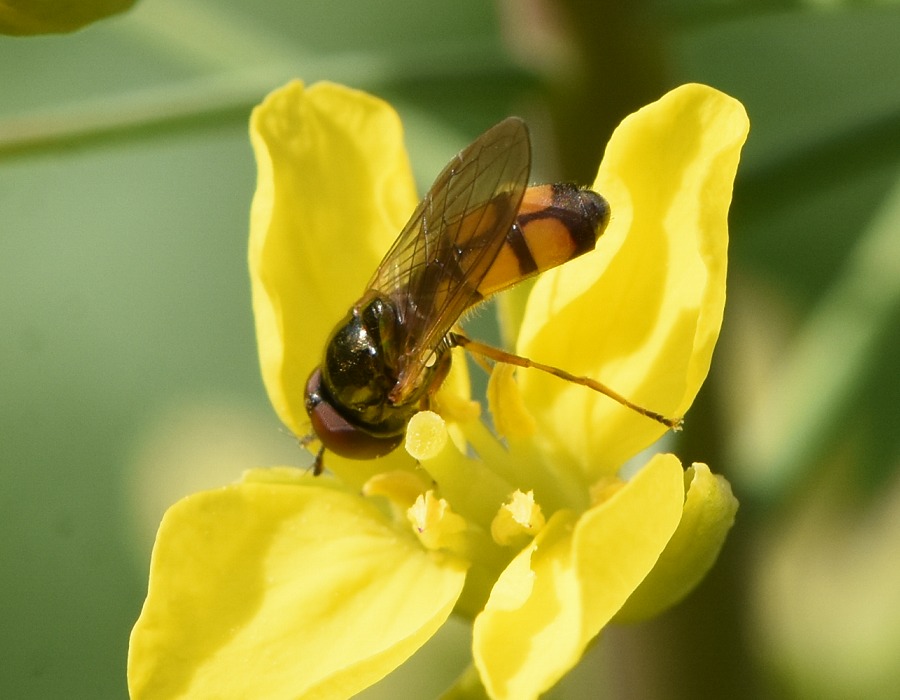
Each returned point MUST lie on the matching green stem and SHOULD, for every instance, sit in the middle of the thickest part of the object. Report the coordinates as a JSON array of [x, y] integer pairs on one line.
[[620, 67], [234, 91]]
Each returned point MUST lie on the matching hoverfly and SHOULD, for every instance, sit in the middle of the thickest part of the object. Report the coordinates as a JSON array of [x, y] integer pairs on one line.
[[479, 230]]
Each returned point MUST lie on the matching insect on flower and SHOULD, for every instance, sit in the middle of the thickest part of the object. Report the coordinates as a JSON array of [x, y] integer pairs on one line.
[[479, 230]]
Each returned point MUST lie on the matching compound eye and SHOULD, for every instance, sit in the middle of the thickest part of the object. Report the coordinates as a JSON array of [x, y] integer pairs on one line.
[[339, 435]]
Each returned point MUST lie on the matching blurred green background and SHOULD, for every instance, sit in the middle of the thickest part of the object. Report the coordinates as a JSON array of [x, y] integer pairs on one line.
[[128, 374]]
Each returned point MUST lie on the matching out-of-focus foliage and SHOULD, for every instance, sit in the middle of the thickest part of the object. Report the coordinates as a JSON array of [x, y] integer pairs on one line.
[[23, 17], [128, 373]]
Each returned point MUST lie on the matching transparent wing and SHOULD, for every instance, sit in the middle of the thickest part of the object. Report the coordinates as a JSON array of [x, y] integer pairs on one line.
[[433, 270]]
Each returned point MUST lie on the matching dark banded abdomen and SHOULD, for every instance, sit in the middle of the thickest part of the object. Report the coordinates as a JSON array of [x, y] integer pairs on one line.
[[555, 224]]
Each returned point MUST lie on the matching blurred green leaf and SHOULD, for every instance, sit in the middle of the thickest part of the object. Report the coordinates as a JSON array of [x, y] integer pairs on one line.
[[22, 17], [820, 88], [828, 360]]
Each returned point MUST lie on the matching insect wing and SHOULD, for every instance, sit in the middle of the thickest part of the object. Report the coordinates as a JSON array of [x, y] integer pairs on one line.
[[433, 270]]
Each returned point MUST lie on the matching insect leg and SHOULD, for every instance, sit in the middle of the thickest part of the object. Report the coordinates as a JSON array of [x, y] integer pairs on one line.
[[318, 466], [476, 348]]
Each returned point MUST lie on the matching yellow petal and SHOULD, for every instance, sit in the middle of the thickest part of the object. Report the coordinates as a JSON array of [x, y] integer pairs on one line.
[[558, 593], [642, 313], [334, 188], [283, 590], [709, 511], [508, 410], [401, 488], [22, 17]]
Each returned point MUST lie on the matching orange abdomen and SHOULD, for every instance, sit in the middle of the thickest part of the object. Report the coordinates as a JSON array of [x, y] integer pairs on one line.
[[555, 224]]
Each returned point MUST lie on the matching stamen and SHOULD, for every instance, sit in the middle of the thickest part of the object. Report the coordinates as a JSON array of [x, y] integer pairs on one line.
[[518, 518]]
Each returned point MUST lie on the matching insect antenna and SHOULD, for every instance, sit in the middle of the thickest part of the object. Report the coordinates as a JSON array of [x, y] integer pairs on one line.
[[498, 355]]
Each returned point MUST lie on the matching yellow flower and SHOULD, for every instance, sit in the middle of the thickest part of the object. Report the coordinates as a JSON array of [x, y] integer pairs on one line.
[[290, 586]]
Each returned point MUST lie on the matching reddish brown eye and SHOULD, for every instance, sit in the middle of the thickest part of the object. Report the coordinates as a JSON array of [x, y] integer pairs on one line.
[[337, 434]]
